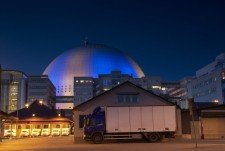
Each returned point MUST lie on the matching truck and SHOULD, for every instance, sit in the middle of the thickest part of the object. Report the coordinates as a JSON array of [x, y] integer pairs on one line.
[[132, 122], [45, 132], [36, 132], [56, 131], [65, 131], [25, 132], [10, 133]]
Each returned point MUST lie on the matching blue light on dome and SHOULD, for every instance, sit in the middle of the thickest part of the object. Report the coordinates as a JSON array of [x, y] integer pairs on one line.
[[89, 61]]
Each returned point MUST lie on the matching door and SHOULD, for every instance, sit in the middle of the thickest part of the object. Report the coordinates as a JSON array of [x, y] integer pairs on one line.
[[158, 118], [213, 128], [170, 118], [147, 119], [124, 119], [112, 119], [135, 119]]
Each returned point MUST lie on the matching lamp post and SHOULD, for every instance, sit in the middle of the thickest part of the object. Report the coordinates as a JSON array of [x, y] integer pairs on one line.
[[17, 115], [17, 118]]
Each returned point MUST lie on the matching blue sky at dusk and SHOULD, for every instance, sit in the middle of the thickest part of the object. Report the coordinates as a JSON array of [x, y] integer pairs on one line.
[[167, 38]]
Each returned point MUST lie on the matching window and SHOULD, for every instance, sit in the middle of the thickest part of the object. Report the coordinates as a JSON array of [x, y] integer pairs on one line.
[[27, 126], [120, 99], [81, 121], [105, 82], [135, 99], [96, 121], [127, 98], [45, 126]]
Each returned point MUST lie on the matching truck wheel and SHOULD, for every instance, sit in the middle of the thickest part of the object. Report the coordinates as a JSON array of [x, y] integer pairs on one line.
[[97, 138], [153, 137]]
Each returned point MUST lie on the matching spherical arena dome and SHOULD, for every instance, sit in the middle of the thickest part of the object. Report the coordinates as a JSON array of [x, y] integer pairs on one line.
[[88, 60]]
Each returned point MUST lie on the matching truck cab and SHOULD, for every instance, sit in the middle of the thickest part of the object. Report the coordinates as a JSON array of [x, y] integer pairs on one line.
[[94, 125]]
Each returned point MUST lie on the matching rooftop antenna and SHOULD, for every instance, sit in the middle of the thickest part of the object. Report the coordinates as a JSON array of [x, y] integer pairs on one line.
[[85, 42]]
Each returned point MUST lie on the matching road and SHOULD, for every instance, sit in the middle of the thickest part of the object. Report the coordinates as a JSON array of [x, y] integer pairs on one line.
[[66, 144]]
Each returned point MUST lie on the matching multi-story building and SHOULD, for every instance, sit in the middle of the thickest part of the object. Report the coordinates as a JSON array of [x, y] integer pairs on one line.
[[178, 93], [209, 83], [88, 87], [41, 88], [108, 81], [149, 83], [64, 105], [13, 90], [83, 89]]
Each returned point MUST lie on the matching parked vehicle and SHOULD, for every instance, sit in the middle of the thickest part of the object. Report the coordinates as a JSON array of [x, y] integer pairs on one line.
[[36, 132], [25, 132], [45, 132], [65, 131], [8, 133], [56, 132], [148, 122]]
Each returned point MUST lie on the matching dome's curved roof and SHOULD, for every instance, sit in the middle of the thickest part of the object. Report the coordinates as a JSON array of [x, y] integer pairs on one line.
[[89, 61]]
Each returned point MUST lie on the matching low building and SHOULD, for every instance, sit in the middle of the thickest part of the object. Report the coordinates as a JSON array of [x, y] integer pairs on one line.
[[37, 118], [64, 105], [4, 117], [212, 122], [125, 94], [208, 121]]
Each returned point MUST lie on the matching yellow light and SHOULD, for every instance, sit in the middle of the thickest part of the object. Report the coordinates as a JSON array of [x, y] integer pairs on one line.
[[41, 102], [33, 115], [27, 105], [59, 115]]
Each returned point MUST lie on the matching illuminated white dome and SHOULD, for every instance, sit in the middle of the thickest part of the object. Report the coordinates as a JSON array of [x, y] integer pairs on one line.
[[88, 61]]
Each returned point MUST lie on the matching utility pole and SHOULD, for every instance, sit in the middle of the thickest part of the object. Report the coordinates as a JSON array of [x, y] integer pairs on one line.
[[190, 103], [0, 103]]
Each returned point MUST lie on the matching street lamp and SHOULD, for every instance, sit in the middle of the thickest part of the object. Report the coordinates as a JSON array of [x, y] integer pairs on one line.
[[26, 105], [41, 102]]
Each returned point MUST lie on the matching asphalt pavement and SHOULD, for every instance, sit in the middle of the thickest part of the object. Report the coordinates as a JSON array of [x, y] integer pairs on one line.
[[65, 143]]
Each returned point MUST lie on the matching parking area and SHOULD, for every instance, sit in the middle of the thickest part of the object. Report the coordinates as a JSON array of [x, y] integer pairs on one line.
[[66, 144]]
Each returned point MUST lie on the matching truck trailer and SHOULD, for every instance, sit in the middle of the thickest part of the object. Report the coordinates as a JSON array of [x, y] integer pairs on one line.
[[132, 122]]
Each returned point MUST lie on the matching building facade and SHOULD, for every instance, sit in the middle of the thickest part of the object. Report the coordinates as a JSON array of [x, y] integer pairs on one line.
[[37, 119], [41, 88], [209, 83], [179, 93], [83, 89], [13, 90]]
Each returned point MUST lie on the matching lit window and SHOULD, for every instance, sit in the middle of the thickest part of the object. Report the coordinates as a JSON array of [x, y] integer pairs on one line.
[[163, 88], [223, 75], [156, 87], [81, 81]]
